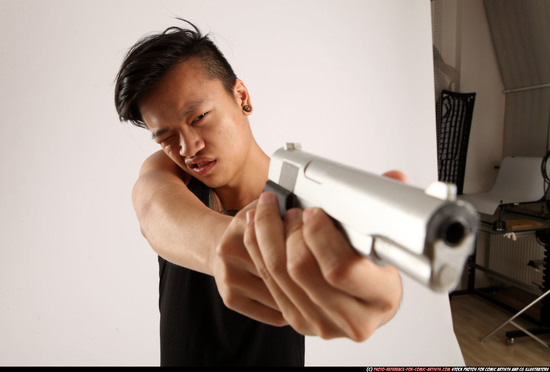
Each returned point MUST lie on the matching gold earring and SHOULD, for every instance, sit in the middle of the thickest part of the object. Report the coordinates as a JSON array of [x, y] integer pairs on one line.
[[247, 108]]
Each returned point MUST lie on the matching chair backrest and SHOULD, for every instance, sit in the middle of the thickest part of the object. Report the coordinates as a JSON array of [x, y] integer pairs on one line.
[[454, 113], [519, 180]]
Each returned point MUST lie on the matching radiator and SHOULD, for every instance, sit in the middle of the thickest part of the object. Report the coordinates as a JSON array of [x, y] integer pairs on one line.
[[514, 256]]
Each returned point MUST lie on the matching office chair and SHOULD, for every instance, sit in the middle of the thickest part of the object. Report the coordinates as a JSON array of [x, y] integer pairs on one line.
[[519, 180]]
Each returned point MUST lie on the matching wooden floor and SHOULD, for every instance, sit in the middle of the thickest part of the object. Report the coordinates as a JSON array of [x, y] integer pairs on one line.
[[475, 317]]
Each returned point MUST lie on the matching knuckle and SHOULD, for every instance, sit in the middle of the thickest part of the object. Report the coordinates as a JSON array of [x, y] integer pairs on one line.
[[262, 219], [248, 240], [228, 291], [229, 248], [338, 275], [261, 216], [240, 216], [293, 318], [363, 333], [300, 261], [391, 305], [301, 325], [331, 331], [360, 330], [327, 333], [264, 275], [314, 227], [223, 249], [297, 267], [231, 300], [276, 267]]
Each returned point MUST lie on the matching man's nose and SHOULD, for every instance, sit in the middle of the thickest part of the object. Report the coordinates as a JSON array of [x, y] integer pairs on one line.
[[190, 143]]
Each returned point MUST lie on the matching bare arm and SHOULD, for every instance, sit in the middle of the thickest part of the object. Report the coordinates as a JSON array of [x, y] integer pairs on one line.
[[182, 230], [164, 206]]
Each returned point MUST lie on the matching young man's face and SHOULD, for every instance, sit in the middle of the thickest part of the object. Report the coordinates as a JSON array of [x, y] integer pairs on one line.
[[199, 125]]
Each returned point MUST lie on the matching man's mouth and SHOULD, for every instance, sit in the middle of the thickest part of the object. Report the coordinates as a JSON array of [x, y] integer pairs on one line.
[[202, 167]]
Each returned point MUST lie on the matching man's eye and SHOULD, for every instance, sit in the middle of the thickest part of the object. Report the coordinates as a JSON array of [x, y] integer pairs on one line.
[[199, 118], [165, 140]]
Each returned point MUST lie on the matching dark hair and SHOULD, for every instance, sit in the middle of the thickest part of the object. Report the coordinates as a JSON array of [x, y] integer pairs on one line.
[[153, 56]]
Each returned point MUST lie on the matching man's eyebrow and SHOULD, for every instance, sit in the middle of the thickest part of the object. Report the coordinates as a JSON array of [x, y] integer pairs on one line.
[[158, 133], [190, 108]]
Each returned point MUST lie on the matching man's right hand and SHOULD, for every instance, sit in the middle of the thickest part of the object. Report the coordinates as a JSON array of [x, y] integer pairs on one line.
[[239, 284]]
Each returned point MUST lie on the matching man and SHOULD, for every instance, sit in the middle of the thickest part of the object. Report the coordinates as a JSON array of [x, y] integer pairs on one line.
[[238, 286]]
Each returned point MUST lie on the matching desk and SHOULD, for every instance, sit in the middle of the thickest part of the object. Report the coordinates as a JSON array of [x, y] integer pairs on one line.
[[520, 225]]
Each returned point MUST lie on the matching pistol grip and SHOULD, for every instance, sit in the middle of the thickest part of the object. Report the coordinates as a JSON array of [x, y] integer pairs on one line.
[[286, 198]]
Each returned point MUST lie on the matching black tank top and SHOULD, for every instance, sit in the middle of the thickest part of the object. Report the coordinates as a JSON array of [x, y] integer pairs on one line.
[[197, 329]]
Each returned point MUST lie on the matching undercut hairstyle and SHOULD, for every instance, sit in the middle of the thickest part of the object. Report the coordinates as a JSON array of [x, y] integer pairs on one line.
[[148, 61]]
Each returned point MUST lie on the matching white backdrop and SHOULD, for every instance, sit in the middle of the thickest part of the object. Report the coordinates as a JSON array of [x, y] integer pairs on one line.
[[351, 80]]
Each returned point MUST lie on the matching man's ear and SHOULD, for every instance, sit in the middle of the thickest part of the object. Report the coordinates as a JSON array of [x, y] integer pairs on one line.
[[242, 97]]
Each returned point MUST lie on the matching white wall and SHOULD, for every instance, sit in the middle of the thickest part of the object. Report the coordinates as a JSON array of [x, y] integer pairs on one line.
[[467, 45], [352, 80]]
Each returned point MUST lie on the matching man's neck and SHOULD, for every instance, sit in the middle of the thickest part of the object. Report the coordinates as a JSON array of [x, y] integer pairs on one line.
[[249, 186]]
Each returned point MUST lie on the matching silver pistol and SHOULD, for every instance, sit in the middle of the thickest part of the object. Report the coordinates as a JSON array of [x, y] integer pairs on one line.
[[427, 234]]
